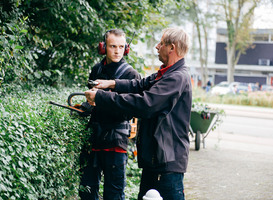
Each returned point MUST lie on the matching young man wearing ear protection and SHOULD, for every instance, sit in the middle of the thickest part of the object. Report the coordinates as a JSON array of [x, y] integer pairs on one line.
[[110, 129]]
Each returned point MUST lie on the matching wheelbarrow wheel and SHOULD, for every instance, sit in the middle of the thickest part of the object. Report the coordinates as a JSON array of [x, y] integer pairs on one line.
[[197, 140]]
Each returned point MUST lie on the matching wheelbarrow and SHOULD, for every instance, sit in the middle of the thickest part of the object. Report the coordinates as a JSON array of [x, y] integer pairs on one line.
[[201, 124]]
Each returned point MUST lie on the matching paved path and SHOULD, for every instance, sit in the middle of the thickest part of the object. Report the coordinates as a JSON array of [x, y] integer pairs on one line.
[[233, 167]]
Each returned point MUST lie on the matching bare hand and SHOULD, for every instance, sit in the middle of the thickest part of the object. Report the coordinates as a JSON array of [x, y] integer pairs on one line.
[[103, 84], [90, 96]]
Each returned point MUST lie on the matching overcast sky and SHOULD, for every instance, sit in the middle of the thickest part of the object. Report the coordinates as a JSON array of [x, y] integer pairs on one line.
[[264, 17]]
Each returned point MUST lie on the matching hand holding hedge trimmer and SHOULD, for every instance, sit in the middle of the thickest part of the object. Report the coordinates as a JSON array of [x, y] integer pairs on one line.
[[83, 109]]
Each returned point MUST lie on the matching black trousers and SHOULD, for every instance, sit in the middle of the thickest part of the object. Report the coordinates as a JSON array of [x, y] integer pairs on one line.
[[112, 165]]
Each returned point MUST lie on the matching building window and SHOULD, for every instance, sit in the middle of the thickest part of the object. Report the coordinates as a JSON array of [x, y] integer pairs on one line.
[[261, 38]]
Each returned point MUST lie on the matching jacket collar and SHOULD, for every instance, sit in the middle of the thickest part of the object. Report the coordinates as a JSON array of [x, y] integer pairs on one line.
[[175, 66]]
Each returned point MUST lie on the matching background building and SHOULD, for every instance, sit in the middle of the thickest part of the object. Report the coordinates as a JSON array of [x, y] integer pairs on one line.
[[256, 65]]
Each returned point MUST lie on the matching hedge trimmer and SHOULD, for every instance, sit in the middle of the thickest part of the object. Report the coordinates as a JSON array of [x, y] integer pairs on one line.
[[83, 109]]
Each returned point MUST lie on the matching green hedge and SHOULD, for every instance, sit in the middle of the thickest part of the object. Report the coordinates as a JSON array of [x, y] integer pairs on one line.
[[39, 145]]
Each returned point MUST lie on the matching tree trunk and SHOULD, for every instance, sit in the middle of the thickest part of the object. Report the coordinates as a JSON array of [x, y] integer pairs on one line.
[[205, 53], [152, 42], [230, 64], [200, 53], [238, 22]]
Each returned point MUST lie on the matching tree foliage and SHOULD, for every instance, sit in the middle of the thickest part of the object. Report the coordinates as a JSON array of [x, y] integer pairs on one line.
[[202, 15], [58, 39], [238, 15]]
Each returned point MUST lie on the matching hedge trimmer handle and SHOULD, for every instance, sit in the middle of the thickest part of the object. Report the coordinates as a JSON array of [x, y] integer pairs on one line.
[[69, 99]]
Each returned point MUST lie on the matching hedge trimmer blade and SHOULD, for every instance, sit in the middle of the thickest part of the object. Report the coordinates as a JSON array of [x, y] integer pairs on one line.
[[67, 107]]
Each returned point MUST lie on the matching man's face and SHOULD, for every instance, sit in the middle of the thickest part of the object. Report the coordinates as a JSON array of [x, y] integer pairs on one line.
[[115, 46], [163, 51]]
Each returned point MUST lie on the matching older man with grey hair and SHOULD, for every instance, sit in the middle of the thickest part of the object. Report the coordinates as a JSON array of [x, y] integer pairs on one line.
[[163, 103]]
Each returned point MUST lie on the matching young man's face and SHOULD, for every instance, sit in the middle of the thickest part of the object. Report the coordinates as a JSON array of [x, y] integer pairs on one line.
[[163, 51], [115, 46]]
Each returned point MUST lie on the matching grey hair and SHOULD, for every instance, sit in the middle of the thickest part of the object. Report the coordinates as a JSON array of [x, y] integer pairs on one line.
[[179, 38]]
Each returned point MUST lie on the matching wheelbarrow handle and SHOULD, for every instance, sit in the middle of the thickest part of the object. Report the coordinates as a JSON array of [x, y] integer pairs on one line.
[[69, 99]]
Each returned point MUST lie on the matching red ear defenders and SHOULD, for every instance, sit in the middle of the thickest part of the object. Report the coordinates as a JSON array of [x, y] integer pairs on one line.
[[102, 47]]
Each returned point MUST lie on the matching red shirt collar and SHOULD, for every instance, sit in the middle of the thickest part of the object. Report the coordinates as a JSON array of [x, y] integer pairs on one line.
[[161, 71]]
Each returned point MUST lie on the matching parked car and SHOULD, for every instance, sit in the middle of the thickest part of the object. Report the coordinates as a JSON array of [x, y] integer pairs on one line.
[[267, 88], [223, 88], [236, 88], [253, 87], [242, 88]]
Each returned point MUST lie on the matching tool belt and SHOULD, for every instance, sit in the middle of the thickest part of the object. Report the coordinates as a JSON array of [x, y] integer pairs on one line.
[[110, 135]]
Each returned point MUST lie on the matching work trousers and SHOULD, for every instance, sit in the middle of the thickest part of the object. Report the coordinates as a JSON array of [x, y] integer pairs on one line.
[[169, 185], [113, 166]]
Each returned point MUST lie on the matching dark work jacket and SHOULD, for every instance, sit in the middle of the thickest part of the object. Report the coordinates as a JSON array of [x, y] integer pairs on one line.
[[105, 121], [164, 107]]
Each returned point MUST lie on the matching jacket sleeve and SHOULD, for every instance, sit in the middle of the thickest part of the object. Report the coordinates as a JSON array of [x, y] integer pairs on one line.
[[134, 86], [147, 98]]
